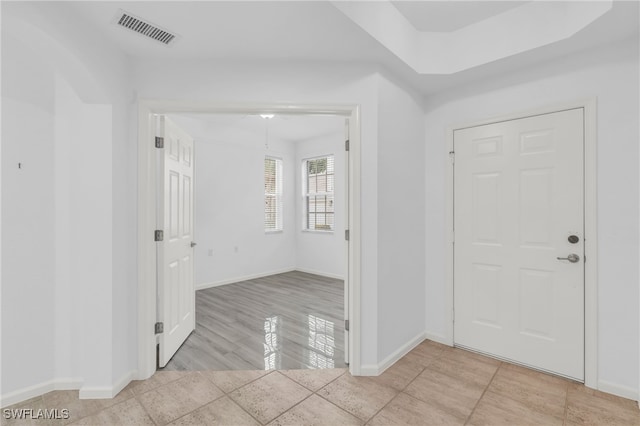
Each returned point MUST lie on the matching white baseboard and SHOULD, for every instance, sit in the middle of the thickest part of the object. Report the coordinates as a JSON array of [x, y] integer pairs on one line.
[[322, 274], [33, 391], [123, 382], [368, 370], [437, 338], [377, 369], [619, 390], [96, 392], [202, 286], [107, 392], [400, 352]]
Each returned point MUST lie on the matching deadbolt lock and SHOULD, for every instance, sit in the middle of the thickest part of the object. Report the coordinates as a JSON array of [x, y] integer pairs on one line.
[[573, 239]]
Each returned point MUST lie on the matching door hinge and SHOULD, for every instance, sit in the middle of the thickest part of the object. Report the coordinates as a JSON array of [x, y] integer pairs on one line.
[[159, 327], [346, 325], [452, 155], [159, 142], [346, 145], [158, 235], [346, 235]]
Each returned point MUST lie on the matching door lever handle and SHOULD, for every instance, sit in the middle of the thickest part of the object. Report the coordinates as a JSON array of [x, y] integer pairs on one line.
[[573, 258], [193, 244]]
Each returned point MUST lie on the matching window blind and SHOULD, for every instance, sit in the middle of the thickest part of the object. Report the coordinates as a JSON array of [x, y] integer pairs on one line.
[[272, 194], [319, 182]]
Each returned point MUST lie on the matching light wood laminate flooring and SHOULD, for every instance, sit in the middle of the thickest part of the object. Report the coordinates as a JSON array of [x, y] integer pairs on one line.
[[285, 321]]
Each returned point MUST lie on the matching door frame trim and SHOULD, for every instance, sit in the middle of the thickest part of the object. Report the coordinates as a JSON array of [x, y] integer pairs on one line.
[[590, 226], [147, 212]]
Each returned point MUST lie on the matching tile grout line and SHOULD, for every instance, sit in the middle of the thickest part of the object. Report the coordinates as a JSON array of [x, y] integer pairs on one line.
[[172, 381], [483, 392], [566, 405], [291, 408], [395, 396], [407, 385], [304, 399], [325, 399], [310, 395], [160, 385], [228, 395], [322, 387], [265, 375], [145, 409]]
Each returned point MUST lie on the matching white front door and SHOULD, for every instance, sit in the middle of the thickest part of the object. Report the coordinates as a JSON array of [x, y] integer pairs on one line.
[[176, 292], [518, 218]]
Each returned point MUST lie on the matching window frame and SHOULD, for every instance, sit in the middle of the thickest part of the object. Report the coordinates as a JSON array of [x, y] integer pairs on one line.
[[278, 195], [306, 194]]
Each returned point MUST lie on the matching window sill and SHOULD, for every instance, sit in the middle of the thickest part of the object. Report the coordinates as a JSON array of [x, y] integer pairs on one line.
[[317, 231], [277, 231]]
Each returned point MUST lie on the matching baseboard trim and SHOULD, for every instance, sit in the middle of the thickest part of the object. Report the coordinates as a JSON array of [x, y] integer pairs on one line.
[[619, 390], [377, 369], [437, 338], [96, 392], [400, 352], [322, 274], [15, 397], [368, 370], [123, 382], [242, 278], [107, 392]]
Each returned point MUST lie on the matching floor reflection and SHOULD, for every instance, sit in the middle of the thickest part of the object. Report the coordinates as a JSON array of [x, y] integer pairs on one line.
[[271, 346], [281, 322], [321, 338], [321, 343]]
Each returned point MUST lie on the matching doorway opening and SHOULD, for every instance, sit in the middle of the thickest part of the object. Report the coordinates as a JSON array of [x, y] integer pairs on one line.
[[148, 270], [269, 218]]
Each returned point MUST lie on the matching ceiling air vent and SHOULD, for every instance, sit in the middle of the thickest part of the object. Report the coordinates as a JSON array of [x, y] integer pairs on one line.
[[145, 28]]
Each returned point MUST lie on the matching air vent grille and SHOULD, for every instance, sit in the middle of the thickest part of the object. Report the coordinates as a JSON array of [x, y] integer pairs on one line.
[[145, 28]]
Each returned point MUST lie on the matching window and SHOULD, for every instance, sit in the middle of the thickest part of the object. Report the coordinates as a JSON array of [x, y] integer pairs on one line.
[[318, 184], [272, 194]]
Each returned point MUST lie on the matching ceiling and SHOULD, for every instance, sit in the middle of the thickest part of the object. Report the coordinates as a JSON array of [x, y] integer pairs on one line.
[[447, 16], [235, 30], [322, 31]]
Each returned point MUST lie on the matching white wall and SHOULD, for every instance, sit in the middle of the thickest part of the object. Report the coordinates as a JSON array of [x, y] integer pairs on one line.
[[28, 221], [229, 202], [322, 252], [82, 141], [64, 115], [401, 218], [611, 75], [229, 197]]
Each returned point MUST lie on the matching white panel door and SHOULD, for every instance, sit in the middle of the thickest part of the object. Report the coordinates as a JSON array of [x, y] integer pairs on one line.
[[176, 292], [518, 199]]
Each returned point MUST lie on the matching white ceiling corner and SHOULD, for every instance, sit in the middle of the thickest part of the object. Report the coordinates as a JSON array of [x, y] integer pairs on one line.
[[448, 16], [489, 34]]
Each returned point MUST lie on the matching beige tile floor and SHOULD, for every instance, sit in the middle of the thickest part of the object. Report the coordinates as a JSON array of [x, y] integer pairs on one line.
[[431, 385]]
